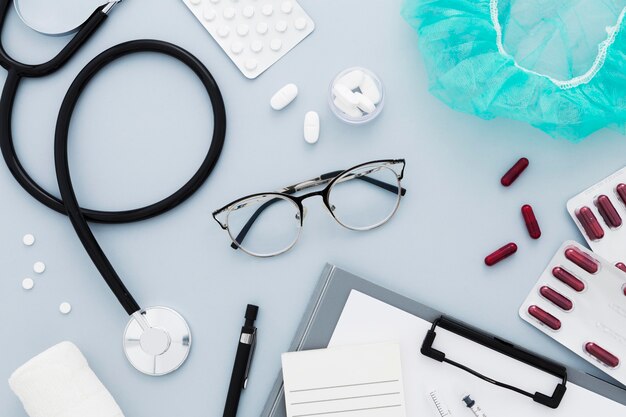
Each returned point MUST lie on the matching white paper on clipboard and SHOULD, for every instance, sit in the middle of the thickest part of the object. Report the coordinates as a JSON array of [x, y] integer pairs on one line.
[[367, 320]]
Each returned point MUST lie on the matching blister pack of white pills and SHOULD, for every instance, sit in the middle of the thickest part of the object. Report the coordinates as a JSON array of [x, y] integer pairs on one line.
[[580, 301], [253, 33], [599, 213]]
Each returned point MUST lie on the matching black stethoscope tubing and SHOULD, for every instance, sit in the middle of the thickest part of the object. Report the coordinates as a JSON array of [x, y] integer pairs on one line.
[[68, 203]]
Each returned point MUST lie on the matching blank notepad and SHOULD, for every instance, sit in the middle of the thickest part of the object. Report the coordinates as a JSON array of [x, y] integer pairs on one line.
[[347, 381]]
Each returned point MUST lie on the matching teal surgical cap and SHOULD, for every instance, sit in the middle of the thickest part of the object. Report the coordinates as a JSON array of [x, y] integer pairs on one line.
[[559, 65]]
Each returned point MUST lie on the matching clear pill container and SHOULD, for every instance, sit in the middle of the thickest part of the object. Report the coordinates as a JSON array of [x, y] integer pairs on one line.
[[345, 111]]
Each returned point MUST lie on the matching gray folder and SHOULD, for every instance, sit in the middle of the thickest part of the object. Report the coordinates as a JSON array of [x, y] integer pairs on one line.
[[324, 310]]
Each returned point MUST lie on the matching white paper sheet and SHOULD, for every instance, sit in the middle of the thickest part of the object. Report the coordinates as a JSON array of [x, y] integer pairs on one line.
[[367, 320], [351, 381]]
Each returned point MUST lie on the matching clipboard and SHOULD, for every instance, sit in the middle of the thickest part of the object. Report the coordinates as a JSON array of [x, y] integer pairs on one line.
[[326, 306]]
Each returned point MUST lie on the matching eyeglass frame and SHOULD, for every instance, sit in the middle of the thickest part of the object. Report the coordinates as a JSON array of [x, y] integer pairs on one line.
[[286, 193]]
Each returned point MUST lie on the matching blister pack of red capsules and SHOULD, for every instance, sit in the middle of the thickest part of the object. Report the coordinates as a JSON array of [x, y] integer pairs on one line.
[[580, 301], [600, 213]]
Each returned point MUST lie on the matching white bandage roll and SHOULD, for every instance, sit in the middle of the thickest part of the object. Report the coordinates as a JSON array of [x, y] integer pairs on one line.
[[60, 383]]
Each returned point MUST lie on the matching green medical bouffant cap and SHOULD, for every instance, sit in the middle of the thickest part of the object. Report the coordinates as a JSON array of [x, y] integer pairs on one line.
[[559, 65]]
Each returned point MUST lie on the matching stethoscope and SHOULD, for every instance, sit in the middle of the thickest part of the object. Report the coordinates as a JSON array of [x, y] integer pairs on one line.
[[156, 339]]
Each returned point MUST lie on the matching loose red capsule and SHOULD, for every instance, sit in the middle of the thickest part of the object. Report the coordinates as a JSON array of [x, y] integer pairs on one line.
[[581, 259], [545, 317], [621, 265], [500, 254], [621, 192], [590, 223], [531, 221], [602, 355], [515, 171], [556, 298], [608, 212]]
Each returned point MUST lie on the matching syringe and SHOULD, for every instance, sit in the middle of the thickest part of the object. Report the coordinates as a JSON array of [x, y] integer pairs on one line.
[[438, 405]]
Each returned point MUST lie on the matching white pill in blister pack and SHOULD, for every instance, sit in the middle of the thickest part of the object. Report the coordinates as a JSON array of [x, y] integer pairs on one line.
[[267, 29], [311, 127], [284, 96]]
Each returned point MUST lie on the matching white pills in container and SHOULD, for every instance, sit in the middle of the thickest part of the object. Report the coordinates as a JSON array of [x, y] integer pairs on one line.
[[356, 95]]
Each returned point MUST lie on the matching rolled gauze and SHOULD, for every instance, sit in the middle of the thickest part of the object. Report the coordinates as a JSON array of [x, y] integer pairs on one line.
[[60, 383]]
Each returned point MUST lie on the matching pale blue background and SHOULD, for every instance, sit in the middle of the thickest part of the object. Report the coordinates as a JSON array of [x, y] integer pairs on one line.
[[141, 130]]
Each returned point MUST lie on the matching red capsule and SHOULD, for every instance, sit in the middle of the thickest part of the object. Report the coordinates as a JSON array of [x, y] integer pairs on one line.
[[545, 317], [608, 212], [500, 254], [621, 192], [602, 355], [581, 259], [531, 221], [515, 171], [590, 223], [568, 278], [557, 298], [621, 265]]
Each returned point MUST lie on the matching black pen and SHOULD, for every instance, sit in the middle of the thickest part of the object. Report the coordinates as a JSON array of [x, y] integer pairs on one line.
[[243, 359]]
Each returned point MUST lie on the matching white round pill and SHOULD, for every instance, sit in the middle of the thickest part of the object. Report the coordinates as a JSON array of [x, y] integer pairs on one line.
[[267, 9], [286, 7], [300, 23], [39, 267], [65, 308], [251, 64], [242, 30], [276, 44], [28, 283], [284, 96], [248, 11], [281, 26], [311, 127], [236, 47], [209, 14], [28, 240], [256, 46], [262, 28], [229, 13], [223, 31]]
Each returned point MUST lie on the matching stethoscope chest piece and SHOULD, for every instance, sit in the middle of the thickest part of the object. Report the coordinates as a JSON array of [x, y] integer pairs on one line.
[[157, 340]]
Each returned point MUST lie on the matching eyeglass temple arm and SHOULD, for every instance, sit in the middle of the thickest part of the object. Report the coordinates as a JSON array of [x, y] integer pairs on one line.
[[324, 178]]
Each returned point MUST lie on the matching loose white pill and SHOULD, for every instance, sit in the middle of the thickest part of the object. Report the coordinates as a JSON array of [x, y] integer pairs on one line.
[[223, 31], [286, 7], [251, 64], [248, 11], [28, 283], [229, 13], [344, 94], [311, 127], [281, 26], [256, 46], [368, 88], [276, 44], [365, 103], [300, 23], [284, 96], [28, 240], [352, 80], [39, 267], [242, 30], [65, 308], [236, 47], [351, 111], [267, 9], [262, 28]]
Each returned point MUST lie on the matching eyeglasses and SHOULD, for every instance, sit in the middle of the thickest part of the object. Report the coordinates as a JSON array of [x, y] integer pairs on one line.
[[360, 198]]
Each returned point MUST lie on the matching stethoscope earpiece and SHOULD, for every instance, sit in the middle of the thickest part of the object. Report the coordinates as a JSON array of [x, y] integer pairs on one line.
[[157, 340]]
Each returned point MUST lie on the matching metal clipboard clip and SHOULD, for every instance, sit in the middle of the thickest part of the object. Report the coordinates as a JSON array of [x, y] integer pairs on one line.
[[504, 348]]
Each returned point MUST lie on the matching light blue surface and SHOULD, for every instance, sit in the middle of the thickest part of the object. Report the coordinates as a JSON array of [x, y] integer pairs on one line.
[[141, 129]]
